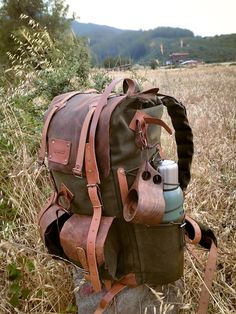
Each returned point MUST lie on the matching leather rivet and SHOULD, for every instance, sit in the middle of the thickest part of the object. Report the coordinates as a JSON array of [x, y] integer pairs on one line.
[[65, 160], [50, 157], [53, 142]]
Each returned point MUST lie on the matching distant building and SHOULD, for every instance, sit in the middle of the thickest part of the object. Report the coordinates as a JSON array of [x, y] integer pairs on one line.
[[178, 57]]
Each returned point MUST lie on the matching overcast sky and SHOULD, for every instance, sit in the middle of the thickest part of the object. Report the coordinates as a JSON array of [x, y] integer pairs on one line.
[[203, 17]]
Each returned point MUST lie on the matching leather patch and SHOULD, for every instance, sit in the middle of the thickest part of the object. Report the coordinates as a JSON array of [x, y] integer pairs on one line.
[[59, 151]]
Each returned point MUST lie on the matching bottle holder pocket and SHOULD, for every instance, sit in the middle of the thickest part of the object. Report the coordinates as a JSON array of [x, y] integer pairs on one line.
[[167, 251]]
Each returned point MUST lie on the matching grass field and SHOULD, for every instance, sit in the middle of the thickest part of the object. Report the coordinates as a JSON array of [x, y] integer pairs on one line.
[[31, 282]]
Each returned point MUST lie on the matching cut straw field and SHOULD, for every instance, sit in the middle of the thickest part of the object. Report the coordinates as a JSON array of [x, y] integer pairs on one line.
[[31, 282]]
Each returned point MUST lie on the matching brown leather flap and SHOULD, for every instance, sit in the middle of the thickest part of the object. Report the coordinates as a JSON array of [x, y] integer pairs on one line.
[[50, 215], [74, 234]]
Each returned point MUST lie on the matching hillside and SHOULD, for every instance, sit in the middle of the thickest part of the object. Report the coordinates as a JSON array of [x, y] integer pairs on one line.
[[142, 46]]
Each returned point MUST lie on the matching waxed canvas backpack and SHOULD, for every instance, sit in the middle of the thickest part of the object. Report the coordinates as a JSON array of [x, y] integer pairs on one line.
[[117, 206]]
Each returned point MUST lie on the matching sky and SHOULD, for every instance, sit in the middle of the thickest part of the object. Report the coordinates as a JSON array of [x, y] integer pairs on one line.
[[202, 17]]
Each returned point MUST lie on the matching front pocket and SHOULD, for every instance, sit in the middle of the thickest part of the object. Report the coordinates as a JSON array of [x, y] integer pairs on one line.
[[161, 252], [73, 239]]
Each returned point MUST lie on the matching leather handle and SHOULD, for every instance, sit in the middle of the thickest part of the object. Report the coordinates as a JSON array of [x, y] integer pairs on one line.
[[139, 124], [130, 87], [150, 120]]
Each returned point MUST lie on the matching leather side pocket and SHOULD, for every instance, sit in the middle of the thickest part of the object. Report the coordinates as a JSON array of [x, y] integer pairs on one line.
[[73, 239], [51, 219]]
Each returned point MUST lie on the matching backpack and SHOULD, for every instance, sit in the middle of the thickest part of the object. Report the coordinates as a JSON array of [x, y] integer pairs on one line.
[[117, 206]]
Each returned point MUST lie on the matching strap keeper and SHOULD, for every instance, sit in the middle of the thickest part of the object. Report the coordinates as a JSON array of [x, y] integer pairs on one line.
[[92, 185], [77, 172]]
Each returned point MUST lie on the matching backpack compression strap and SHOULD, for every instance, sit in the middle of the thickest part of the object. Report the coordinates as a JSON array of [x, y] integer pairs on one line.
[[183, 137], [197, 233], [93, 179]]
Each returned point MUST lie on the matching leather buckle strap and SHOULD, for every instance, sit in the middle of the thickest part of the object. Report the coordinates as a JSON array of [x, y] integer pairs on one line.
[[194, 233], [140, 123], [128, 281], [92, 236], [123, 184], [208, 279], [77, 170], [194, 236], [96, 219], [109, 296]]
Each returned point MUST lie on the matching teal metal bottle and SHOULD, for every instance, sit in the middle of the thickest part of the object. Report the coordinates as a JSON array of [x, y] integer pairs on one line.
[[173, 194]]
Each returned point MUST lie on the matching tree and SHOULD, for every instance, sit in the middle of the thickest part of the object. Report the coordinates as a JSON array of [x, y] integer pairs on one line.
[[50, 14]]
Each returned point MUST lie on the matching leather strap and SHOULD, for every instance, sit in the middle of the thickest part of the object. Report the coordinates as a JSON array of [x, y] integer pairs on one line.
[[194, 231], [128, 280], [130, 87], [208, 279], [77, 170], [90, 164], [51, 200], [109, 296], [101, 104], [93, 179], [59, 104], [139, 124], [196, 235], [103, 135], [122, 184]]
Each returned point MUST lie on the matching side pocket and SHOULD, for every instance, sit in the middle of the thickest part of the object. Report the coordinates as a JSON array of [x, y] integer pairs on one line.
[[73, 239], [51, 218], [165, 244]]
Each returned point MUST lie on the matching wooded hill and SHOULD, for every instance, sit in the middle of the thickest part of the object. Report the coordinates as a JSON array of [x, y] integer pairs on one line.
[[143, 46]]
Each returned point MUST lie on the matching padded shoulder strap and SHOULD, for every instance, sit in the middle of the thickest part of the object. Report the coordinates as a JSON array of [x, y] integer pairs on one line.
[[183, 137]]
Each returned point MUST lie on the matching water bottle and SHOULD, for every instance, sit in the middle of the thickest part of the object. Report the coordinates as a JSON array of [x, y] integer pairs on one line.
[[173, 194]]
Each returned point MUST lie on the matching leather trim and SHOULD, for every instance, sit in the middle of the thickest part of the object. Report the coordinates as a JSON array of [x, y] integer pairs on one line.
[[49, 202], [77, 170], [197, 233], [122, 184], [208, 279], [128, 280], [143, 118]]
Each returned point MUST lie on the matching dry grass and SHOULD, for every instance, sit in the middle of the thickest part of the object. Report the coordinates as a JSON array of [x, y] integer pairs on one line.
[[210, 97]]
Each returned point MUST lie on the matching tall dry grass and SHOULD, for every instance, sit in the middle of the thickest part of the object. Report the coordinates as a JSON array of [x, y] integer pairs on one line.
[[210, 97]]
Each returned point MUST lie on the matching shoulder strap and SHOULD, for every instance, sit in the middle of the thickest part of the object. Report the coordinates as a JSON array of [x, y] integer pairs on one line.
[[197, 233], [183, 137]]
